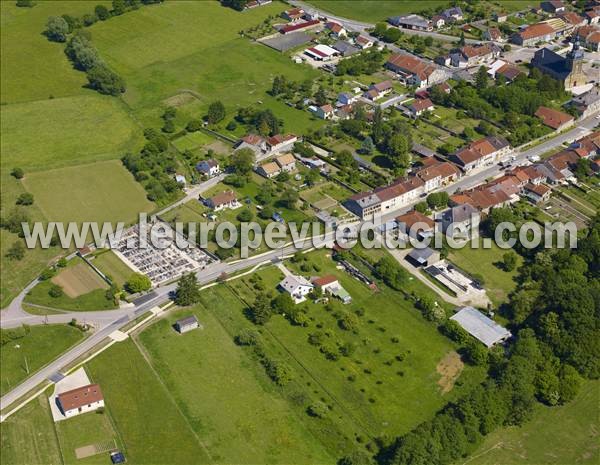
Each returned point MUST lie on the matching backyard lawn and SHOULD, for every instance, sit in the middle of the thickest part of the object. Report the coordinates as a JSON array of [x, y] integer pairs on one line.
[[24, 356], [486, 263]]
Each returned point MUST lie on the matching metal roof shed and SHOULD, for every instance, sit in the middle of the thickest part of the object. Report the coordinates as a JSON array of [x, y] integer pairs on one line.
[[480, 326]]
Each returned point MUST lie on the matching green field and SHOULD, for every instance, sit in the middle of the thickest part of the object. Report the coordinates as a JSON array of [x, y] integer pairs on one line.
[[66, 131], [42, 345], [374, 11], [146, 416], [113, 266], [34, 68], [28, 437], [15, 275], [103, 191], [556, 435], [484, 262], [196, 48], [206, 364], [390, 326], [84, 430], [193, 140]]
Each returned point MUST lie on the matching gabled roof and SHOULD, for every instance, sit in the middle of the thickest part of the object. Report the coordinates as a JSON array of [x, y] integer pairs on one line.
[[188, 320], [382, 86], [414, 217], [412, 65], [292, 282], [538, 189], [334, 27], [270, 167], [80, 396], [285, 159], [280, 139], [480, 326], [553, 118], [571, 18], [536, 30], [325, 280], [223, 198], [421, 104], [327, 108], [253, 139]]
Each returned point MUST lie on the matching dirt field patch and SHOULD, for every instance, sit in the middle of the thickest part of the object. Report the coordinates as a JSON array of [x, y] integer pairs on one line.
[[219, 147], [325, 203], [179, 100], [78, 280], [450, 368], [95, 449]]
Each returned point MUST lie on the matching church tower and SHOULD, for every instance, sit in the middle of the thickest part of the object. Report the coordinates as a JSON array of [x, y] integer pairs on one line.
[[575, 64]]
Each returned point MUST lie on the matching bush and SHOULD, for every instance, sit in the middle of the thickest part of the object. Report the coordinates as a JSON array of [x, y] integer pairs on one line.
[[57, 29], [105, 81], [138, 282], [247, 337], [194, 125], [47, 274], [55, 291], [17, 173], [25, 199], [16, 251], [278, 371], [318, 409]]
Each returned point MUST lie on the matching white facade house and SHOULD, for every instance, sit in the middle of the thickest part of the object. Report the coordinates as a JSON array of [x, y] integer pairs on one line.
[[297, 287], [209, 168], [81, 400]]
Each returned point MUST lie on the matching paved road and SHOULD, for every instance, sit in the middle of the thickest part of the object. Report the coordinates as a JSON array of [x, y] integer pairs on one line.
[[114, 320]]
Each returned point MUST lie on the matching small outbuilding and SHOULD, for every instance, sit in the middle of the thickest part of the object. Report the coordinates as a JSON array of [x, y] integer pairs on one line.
[[480, 326], [186, 324], [423, 257]]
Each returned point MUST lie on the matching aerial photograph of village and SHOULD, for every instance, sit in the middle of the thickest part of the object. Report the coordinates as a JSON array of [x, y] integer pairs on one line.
[[284, 232]]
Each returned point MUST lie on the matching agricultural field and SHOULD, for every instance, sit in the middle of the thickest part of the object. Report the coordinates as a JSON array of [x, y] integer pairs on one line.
[[103, 191], [25, 355], [487, 263], [555, 435], [66, 131], [33, 422], [206, 364], [153, 428], [196, 49], [112, 266], [193, 140], [83, 290]]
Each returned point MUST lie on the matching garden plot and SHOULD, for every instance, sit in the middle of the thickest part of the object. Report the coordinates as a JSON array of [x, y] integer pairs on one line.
[[79, 280]]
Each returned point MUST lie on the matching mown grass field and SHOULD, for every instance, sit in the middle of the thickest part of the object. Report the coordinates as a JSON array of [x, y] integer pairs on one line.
[[16, 274], [196, 46], [42, 345], [32, 67], [66, 131], [556, 435], [145, 414], [485, 262], [85, 430], [28, 437], [246, 420], [111, 265], [103, 191]]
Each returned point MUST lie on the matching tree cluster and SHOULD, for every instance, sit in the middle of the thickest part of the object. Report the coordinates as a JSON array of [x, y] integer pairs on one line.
[[262, 121], [364, 63], [154, 167]]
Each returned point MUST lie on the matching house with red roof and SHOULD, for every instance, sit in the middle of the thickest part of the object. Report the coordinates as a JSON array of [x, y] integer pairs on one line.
[[482, 152], [555, 119], [412, 71]]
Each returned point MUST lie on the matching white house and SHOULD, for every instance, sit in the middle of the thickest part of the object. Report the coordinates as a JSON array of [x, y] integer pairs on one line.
[[286, 162], [297, 286], [209, 168], [363, 42], [223, 200], [346, 99], [324, 112], [331, 285], [81, 400]]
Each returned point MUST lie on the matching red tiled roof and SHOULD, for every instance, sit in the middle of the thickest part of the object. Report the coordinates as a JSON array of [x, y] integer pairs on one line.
[[553, 118], [253, 139], [412, 65], [539, 189], [324, 280], [536, 30], [223, 198], [79, 397], [294, 27], [421, 104], [414, 217]]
